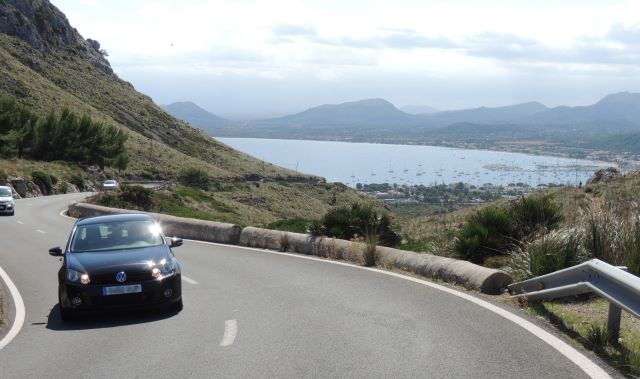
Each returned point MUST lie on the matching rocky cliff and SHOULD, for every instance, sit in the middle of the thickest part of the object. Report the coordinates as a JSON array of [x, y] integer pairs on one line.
[[46, 28]]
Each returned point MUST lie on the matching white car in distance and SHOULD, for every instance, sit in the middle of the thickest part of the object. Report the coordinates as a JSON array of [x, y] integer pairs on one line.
[[7, 205], [110, 185]]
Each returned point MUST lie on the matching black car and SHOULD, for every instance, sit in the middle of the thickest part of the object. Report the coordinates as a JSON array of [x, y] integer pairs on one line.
[[117, 262]]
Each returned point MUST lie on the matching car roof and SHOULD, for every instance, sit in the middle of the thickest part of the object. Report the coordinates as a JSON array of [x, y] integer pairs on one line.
[[115, 218]]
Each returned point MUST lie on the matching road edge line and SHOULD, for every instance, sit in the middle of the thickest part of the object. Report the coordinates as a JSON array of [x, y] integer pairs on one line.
[[19, 310], [583, 362]]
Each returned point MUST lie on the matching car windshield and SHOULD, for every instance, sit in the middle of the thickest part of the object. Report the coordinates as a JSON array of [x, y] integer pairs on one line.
[[5, 192], [116, 236], [110, 182]]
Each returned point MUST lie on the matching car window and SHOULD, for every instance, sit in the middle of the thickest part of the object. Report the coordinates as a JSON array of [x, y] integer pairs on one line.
[[4, 192], [116, 236]]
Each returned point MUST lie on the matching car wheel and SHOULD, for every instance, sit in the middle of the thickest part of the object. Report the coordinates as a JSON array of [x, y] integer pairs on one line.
[[177, 306]]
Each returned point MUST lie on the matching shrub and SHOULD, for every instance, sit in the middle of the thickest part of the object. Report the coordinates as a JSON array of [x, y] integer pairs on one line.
[[3, 178], [295, 225], [598, 337], [43, 181], [357, 221], [316, 228], [369, 253], [533, 213], [548, 253], [612, 233], [138, 196], [64, 187], [195, 177], [77, 181], [488, 232]]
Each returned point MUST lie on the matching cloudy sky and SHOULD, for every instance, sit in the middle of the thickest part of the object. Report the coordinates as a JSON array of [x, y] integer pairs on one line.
[[244, 58]]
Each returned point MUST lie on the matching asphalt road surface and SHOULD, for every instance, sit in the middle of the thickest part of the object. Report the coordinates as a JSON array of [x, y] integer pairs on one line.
[[250, 313]]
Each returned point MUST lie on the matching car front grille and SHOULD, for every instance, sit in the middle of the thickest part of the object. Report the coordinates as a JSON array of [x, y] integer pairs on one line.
[[132, 277]]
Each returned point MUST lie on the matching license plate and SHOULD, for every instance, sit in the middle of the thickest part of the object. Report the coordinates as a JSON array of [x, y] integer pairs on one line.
[[122, 290]]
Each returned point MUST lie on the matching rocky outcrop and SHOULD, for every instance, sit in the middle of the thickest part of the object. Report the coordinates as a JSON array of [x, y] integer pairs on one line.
[[604, 175], [46, 28], [25, 188]]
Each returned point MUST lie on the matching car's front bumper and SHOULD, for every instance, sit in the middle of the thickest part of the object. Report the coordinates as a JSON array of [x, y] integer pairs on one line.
[[7, 208], [92, 298]]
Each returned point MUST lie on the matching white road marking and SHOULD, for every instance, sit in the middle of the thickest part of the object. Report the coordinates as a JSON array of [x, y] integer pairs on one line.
[[230, 330], [20, 222], [584, 363], [189, 280], [63, 213], [41, 231], [20, 311]]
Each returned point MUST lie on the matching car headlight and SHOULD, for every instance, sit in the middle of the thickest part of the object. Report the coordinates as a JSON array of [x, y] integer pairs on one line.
[[165, 267], [169, 267], [77, 277]]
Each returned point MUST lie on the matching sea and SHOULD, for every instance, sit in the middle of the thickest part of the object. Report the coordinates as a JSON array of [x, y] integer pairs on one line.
[[351, 163]]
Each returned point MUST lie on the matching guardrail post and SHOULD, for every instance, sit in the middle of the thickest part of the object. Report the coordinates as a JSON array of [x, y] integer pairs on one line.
[[613, 319]]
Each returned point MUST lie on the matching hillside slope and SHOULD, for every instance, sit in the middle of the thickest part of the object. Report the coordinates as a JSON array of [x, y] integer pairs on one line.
[[47, 65]]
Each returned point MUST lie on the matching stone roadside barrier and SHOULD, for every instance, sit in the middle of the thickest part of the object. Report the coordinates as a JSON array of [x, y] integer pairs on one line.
[[448, 269]]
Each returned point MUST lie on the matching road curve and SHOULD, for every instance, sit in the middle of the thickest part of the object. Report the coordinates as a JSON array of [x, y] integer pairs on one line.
[[252, 314]]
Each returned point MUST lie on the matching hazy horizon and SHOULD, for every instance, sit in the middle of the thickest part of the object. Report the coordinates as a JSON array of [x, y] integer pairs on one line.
[[254, 59]]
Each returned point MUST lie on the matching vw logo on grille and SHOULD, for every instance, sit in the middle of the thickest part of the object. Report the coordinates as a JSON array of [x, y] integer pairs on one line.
[[121, 277]]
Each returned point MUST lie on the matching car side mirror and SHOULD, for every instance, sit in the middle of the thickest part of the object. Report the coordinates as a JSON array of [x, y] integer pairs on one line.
[[55, 251], [175, 242]]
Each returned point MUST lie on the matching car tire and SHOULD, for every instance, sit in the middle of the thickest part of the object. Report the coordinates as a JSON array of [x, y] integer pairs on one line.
[[177, 306], [67, 315]]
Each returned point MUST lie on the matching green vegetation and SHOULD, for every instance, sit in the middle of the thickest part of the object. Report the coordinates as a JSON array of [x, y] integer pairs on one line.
[[294, 225], [534, 213], [582, 320], [65, 137], [547, 252], [44, 181], [129, 197], [361, 221], [497, 231], [195, 177], [489, 232]]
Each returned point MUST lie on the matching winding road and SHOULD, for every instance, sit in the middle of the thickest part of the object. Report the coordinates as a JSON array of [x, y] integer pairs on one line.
[[250, 313]]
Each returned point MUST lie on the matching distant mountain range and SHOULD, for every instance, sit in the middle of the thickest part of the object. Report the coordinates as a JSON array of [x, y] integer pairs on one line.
[[419, 109], [196, 116], [377, 120]]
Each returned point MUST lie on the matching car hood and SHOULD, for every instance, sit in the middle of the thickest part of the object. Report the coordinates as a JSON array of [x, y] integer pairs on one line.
[[5, 198], [105, 262]]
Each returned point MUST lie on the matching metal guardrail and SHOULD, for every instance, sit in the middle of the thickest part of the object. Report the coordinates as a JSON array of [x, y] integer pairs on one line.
[[619, 287]]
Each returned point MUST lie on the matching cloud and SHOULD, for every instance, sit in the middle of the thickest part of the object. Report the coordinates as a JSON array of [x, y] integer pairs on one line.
[[290, 30], [625, 35], [584, 50]]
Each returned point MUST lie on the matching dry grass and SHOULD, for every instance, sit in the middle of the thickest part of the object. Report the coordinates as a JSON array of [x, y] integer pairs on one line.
[[585, 320]]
